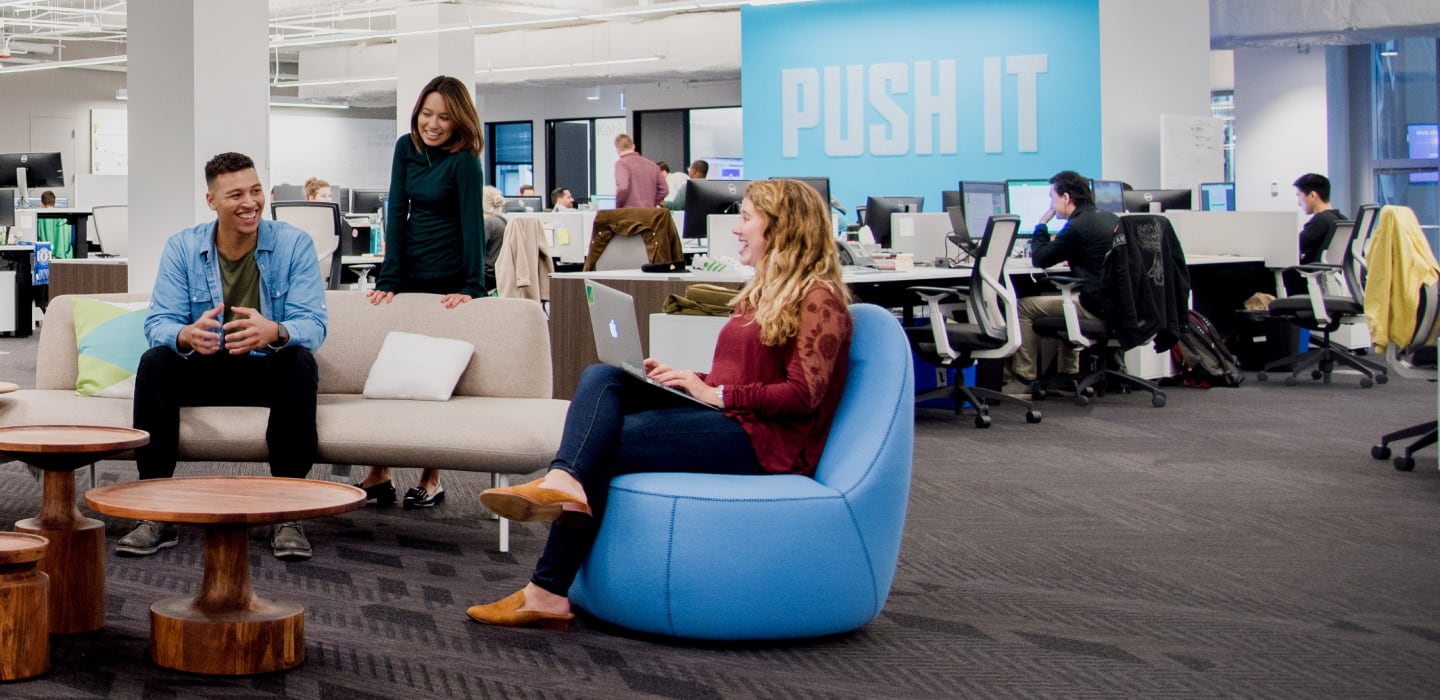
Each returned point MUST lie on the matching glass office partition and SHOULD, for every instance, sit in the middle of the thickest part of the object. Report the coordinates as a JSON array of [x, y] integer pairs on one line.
[[1406, 114], [512, 156]]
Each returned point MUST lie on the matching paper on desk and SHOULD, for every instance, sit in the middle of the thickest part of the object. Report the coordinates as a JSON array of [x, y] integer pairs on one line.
[[906, 228], [562, 235]]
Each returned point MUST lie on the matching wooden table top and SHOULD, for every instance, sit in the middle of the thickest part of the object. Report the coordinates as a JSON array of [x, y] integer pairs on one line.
[[69, 439], [7, 387], [217, 500], [19, 547]]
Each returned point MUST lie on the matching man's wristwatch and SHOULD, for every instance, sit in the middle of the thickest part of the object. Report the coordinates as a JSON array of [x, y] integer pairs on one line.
[[283, 339]]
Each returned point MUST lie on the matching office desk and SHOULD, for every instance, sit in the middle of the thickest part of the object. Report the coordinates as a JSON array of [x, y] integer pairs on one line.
[[77, 219], [89, 276]]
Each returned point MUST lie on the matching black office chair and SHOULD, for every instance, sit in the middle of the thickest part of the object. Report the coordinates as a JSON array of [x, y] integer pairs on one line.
[[980, 321], [1336, 297], [1139, 237], [1417, 361]]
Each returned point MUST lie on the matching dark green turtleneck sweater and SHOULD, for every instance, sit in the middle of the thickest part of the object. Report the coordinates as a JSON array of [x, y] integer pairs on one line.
[[435, 225]]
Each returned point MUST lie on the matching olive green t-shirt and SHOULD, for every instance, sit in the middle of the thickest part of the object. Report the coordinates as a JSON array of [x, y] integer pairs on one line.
[[240, 282]]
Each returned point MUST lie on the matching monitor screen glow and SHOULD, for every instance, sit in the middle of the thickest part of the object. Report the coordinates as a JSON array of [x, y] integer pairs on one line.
[[1217, 196], [1030, 199], [981, 200]]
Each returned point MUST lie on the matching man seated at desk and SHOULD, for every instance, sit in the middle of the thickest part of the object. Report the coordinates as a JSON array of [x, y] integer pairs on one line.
[[1082, 243], [1312, 191]]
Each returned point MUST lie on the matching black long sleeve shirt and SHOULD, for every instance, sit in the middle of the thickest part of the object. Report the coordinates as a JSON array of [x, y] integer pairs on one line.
[[1312, 236], [435, 224], [1083, 244]]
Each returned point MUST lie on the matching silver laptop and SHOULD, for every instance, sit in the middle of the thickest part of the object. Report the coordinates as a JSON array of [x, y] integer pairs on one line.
[[617, 334]]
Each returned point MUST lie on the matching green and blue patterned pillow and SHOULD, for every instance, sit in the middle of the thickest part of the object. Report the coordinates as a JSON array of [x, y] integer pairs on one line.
[[110, 338]]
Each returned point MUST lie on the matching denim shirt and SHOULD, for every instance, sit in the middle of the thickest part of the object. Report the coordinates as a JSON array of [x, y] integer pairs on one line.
[[292, 291]]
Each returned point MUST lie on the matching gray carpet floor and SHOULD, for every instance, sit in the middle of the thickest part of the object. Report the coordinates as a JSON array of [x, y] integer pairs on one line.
[[1237, 542]]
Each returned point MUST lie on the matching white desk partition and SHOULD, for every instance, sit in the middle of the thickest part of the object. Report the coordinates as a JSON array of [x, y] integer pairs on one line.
[[1272, 235], [569, 235], [920, 234]]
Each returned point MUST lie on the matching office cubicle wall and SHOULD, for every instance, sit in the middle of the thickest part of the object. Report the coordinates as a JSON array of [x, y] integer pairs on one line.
[[1272, 235], [920, 234]]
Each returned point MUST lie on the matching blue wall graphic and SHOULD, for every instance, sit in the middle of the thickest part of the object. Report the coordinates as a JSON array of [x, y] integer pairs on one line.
[[904, 97]]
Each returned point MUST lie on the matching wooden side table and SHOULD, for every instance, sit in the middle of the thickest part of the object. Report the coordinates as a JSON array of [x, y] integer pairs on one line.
[[76, 559], [24, 612], [226, 629]]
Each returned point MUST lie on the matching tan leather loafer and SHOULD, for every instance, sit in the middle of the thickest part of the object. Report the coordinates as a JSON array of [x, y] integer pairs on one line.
[[507, 613], [531, 503]]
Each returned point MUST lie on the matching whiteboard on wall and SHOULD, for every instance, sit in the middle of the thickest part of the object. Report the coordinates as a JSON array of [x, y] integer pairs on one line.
[[1192, 151], [344, 152], [109, 150]]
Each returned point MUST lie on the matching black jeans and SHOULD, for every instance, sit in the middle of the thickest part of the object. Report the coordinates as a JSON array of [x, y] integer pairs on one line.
[[285, 381], [617, 425]]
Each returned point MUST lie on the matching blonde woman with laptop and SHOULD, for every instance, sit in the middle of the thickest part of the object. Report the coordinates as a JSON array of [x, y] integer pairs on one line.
[[778, 374]]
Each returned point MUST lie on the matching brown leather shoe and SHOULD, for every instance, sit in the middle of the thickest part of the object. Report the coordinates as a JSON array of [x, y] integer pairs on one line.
[[531, 503], [507, 613]]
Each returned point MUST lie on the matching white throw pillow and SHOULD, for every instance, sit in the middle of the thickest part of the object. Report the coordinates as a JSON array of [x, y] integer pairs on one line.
[[417, 367]]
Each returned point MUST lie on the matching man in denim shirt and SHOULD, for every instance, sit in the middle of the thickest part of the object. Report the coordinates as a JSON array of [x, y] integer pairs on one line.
[[237, 312]]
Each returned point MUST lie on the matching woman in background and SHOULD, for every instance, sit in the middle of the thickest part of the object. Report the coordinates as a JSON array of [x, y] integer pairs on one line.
[[779, 371], [435, 229], [494, 204], [317, 190]]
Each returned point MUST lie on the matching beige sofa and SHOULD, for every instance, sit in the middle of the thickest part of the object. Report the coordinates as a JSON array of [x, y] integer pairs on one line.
[[501, 419]]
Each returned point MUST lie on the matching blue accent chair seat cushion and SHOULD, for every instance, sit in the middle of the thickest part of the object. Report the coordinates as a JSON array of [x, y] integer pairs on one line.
[[707, 556]]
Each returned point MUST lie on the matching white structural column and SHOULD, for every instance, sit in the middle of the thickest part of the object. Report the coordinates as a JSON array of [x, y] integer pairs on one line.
[[1154, 60], [198, 86], [421, 57]]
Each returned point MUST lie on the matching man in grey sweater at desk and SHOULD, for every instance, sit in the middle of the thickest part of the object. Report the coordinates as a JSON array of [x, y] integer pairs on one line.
[[1082, 243]]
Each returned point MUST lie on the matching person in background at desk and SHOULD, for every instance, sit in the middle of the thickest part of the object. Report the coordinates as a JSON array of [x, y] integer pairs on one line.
[[562, 199], [1083, 244], [779, 370], [676, 183], [698, 171], [237, 313], [494, 204], [54, 231], [317, 190], [1312, 191], [435, 229], [47, 199], [527, 191], [638, 182]]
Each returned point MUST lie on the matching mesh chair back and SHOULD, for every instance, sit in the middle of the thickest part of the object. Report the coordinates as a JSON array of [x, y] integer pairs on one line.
[[994, 249], [112, 228], [319, 219], [1337, 252], [1365, 221], [1427, 315], [623, 253]]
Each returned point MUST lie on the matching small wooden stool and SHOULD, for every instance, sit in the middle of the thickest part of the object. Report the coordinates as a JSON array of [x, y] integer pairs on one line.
[[24, 608]]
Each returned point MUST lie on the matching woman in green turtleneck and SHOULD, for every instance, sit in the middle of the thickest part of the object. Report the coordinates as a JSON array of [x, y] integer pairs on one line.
[[435, 229]]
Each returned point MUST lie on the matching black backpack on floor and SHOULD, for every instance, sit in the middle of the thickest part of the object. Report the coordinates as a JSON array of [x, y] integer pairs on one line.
[[1202, 357]]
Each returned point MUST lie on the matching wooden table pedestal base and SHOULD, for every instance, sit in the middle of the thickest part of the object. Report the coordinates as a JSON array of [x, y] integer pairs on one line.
[[24, 627], [226, 630], [75, 560]]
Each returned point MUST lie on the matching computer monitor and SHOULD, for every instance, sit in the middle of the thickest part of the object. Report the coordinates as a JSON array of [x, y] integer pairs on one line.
[[7, 207], [1424, 144], [879, 209], [706, 197], [950, 198], [1217, 196], [821, 185], [725, 168], [1109, 195], [519, 204], [365, 201], [1140, 200], [1029, 200], [289, 193], [980, 201], [341, 196], [41, 169]]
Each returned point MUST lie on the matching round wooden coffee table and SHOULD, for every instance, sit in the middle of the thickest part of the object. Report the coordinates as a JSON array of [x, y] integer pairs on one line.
[[226, 629], [7, 387], [76, 559]]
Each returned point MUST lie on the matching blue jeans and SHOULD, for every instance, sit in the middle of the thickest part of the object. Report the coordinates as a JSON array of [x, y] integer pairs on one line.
[[617, 425]]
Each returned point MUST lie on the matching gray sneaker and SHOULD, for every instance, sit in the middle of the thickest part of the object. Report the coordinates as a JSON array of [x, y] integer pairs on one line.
[[147, 538], [289, 543]]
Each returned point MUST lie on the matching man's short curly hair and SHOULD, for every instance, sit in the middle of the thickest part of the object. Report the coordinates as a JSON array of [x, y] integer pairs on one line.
[[226, 163]]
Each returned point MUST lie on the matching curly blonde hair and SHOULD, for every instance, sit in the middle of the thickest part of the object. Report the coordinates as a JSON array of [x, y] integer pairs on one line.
[[491, 200], [799, 254]]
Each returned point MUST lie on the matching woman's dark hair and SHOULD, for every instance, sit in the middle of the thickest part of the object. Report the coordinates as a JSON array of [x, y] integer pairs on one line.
[[464, 122]]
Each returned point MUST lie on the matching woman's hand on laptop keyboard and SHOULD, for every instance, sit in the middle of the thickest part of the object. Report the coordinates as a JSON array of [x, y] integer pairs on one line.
[[683, 379]]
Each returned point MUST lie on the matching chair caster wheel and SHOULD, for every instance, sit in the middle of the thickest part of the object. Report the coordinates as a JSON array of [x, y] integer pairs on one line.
[[1261, 376], [1380, 451], [1316, 374], [1032, 416], [1404, 464], [1087, 391], [1291, 381], [1366, 383], [1158, 400], [1082, 400], [1038, 394], [1382, 378], [982, 421]]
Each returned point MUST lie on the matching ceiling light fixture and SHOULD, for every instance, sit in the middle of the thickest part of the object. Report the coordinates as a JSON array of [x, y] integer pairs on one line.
[[594, 94], [1390, 48], [53, 65], [330, 81], [308, 105]]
